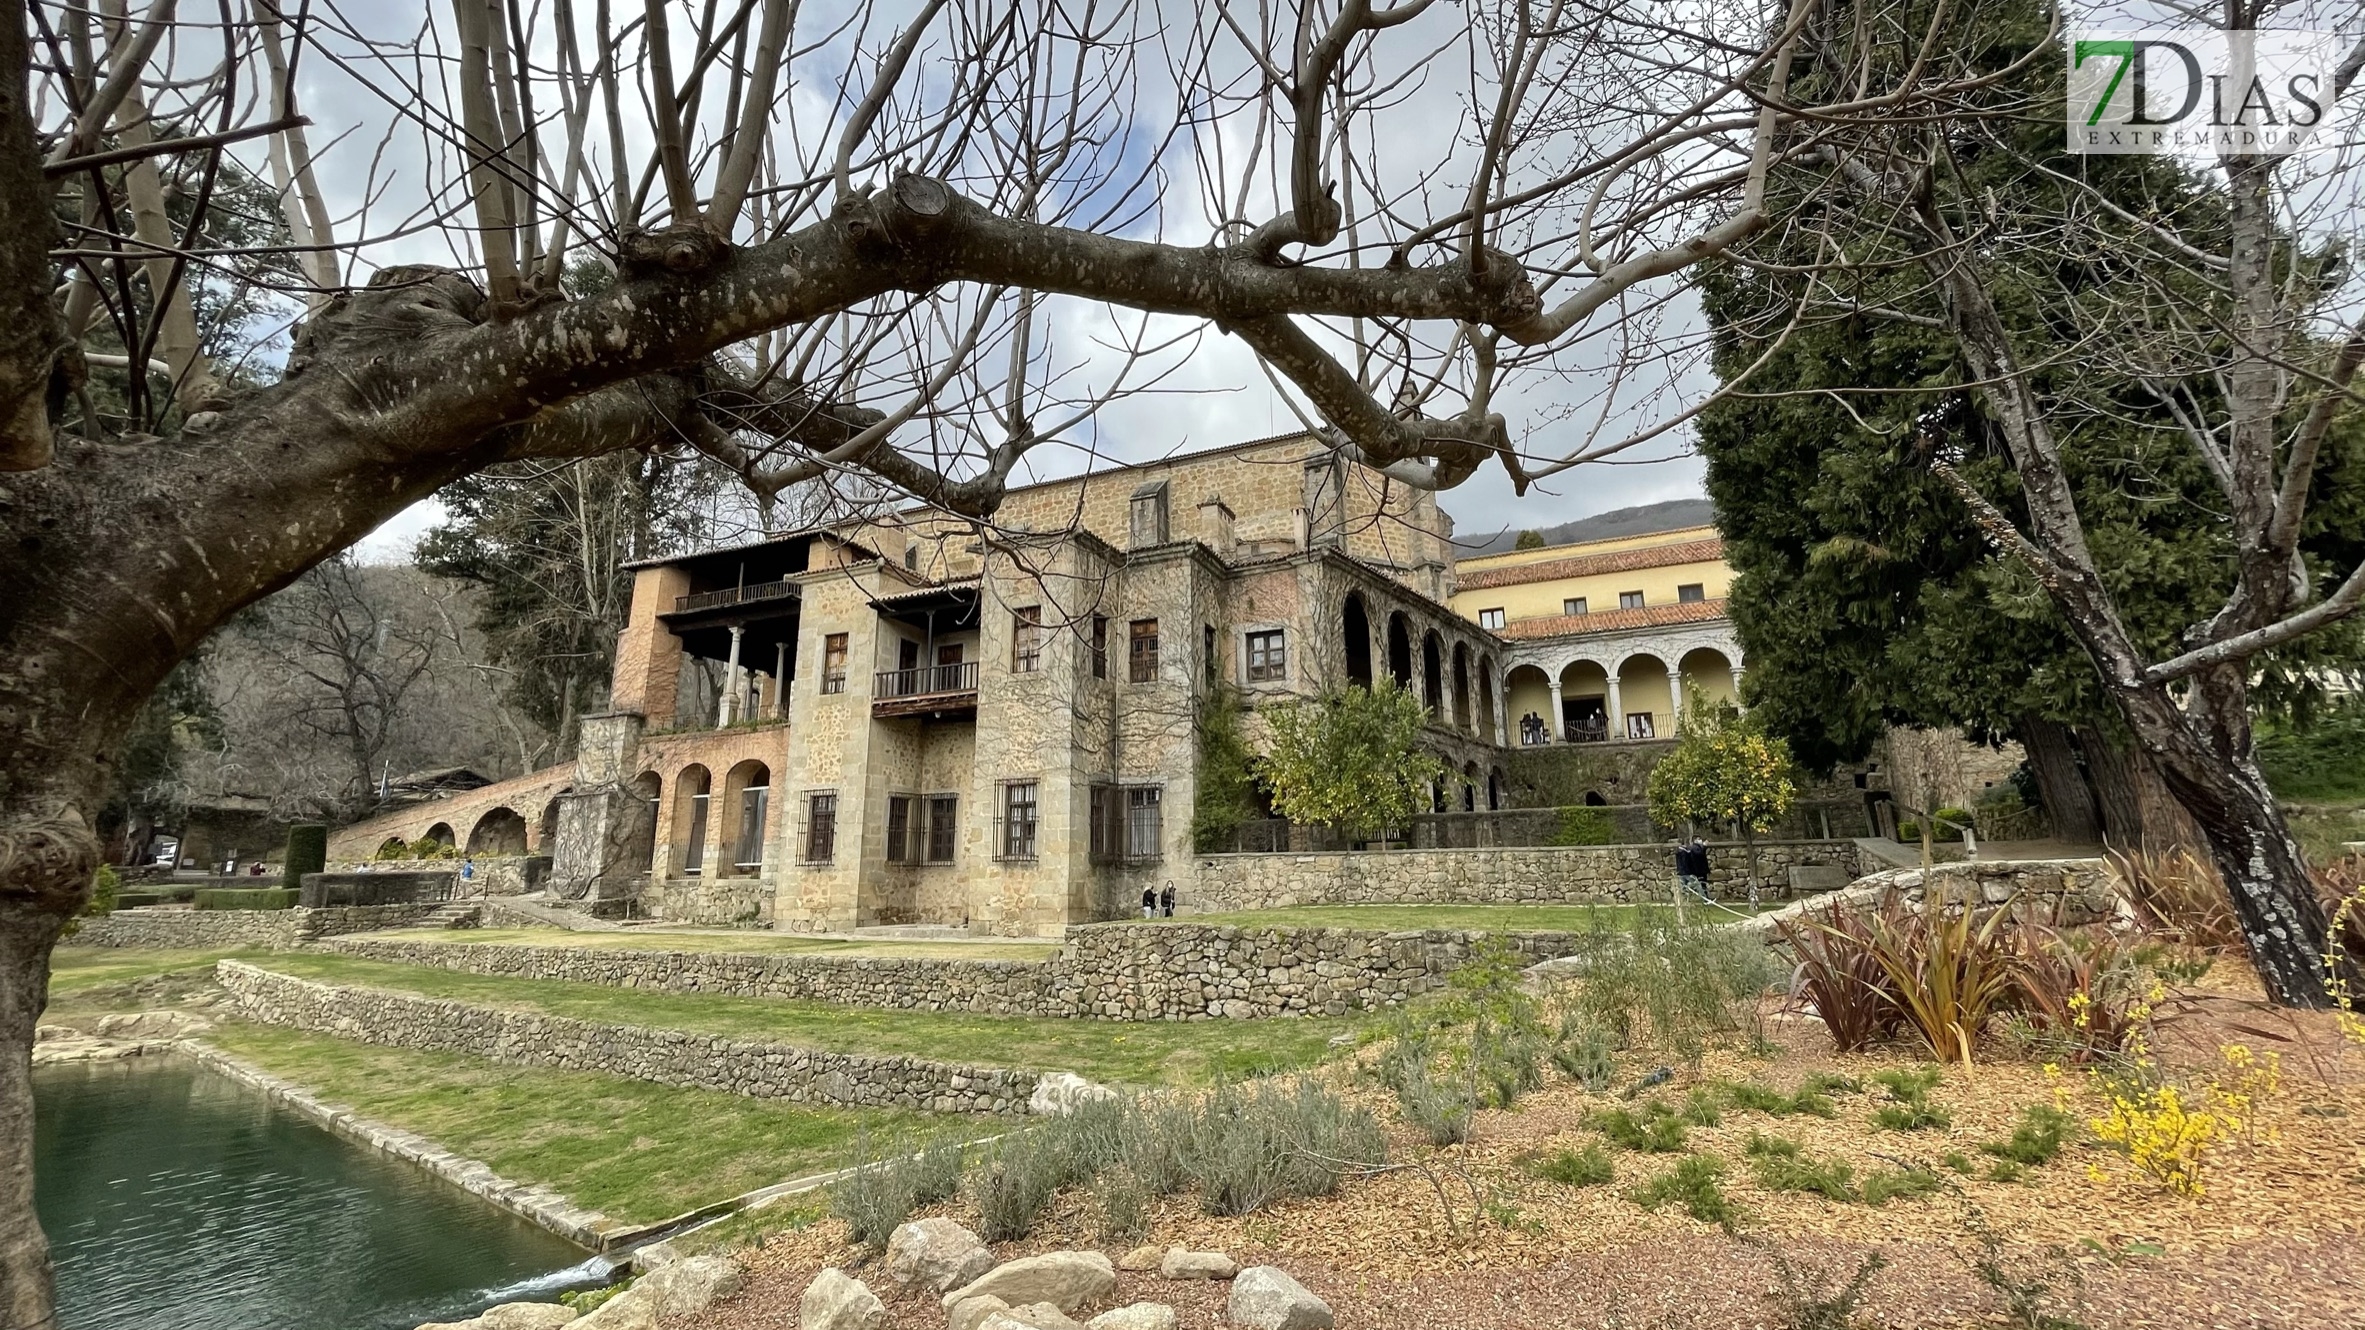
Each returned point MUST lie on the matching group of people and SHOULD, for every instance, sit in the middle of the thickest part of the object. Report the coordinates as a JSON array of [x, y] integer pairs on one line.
[[1532, 729], [1691, 867], [1153, 901]]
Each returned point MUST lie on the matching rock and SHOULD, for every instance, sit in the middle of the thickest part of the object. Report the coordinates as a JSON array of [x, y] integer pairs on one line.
[[1059, 1093], [513, 1316], [1066, 1279], [838, 1301], [1145, 1257], [1033, 1316], [1135, 1316], [935, 1254], [655, 1256], [1265, 1298], [970, 1313], [683, 1288], [1180, 1264]]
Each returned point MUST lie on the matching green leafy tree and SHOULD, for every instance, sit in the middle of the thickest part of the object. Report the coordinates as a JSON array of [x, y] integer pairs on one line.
[[1529, 540], [1725, 769], [1226, 780], [1349, 760]]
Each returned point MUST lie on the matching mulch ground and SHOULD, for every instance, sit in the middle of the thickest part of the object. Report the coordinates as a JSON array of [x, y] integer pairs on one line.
[[2278, 1240]]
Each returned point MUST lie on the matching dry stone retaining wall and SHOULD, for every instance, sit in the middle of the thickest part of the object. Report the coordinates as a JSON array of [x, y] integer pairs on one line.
[[2070, 891], [1136, 972], [160, 929], [666, 1057], [1540, 875]]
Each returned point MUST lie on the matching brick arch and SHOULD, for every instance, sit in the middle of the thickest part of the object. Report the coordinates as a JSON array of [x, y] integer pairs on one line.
[[498, 830]]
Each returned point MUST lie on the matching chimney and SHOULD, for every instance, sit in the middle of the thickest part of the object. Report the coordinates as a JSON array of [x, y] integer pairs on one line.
[[1215, 525]]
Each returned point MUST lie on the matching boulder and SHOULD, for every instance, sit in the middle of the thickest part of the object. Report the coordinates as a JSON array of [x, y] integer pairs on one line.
[[1065, 1279], [1058, 1094], [513, 1316], [1265, 1298], [970, 1313], [1145, 1257], [838, 1301], [1135, 1316], [1033, 1316], [937, 1255], [683, 1288], [1180, 1264]]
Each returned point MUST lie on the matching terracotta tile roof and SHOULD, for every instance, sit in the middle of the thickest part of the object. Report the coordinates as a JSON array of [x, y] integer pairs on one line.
[[1587, 565], [1610, 621]]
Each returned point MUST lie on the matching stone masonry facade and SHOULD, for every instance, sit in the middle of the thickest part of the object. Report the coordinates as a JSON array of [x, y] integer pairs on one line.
[[1121, 972], [1554, 875], [665, 1057]]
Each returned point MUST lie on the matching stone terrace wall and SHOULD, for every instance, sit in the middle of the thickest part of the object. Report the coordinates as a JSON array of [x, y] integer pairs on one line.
[[1543, 875], [2071, 891], [180, 929], [1126, 972], [666, 1057]]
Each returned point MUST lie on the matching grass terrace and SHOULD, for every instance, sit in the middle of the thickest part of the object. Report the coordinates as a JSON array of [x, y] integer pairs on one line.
[[634, 1151], [1113, 1052]]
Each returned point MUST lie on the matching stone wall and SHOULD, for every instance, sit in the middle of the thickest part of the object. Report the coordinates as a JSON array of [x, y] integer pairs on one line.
[[1577, 874], [700, 900], [665, 1057], [1127, 972], [2067, 891], [160, 929]]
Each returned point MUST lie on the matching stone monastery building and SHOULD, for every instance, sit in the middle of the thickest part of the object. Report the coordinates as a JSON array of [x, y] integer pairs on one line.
[[920, 724]]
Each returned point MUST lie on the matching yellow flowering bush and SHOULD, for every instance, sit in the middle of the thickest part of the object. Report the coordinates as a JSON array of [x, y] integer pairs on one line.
[[2166, 1131]]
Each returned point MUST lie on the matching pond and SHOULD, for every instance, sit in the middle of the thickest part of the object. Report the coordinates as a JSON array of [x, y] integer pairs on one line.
[[177, 1199]]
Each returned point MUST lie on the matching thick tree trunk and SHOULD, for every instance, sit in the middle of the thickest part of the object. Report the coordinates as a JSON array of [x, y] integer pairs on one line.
[[2138, 811], [2069, 803]]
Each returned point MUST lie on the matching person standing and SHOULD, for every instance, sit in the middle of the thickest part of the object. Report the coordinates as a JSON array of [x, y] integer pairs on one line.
[[1166, 899], [1149, 902]]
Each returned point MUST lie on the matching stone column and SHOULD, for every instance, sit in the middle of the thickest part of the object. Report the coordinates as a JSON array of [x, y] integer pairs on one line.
[[1674, 700], [1552, 723], [1503, 713], [733, 685], [1737, 685], [780, 681], [1617, 708], [602, 822]]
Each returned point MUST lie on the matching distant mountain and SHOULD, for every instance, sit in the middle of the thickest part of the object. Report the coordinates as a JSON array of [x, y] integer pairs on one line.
[[1673, 515]]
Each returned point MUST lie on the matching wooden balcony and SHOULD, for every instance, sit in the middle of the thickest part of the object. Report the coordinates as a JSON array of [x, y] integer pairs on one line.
[[729, 596], [925, 690]]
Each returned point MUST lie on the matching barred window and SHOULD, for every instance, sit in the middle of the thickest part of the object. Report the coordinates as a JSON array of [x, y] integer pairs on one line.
[[821, 827], [1100, 646], [1026, 639], [1142, 651], [1268, 656], [1143, 805], [833, 663], [943, 826], [1018, 820], [900, 842]]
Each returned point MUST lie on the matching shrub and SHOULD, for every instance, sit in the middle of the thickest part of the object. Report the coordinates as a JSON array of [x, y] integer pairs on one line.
[[2177, 894], [307, 852], [2081, 992], [1443, 1112], [1583, 1053], [1160, 1130], [1583, 825], [1948, 973], [877, 1197], [106, 891], [1839, 974], [1703, 1107], [1677, 979], [1589, 1167], [136, 898], [1121, 1206], [1014, 1182], [1884, 1185], [1754, 1097], [1909, 1108], [1247, 1150], [246, 898], [1691, 1184], [1655, 1129], [2036, 1139]]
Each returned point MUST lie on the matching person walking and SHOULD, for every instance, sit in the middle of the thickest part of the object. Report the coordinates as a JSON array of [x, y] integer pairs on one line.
[[1166, 899], [1149, 902], [1694, 870]]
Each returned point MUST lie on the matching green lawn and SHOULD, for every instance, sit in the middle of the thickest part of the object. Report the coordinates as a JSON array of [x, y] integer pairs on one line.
[[748, 941], [1115, 1052], [1405, 918], [635, 1151], [74, 970]]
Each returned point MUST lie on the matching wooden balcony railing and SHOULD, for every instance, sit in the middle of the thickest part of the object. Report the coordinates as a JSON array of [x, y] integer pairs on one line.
[[740, 595], [926, 681]]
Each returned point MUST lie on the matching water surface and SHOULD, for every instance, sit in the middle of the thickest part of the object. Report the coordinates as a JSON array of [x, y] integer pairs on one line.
[[177, 1199]]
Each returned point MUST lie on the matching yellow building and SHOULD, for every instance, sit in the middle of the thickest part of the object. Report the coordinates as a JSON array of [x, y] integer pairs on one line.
[[1606, 635]]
